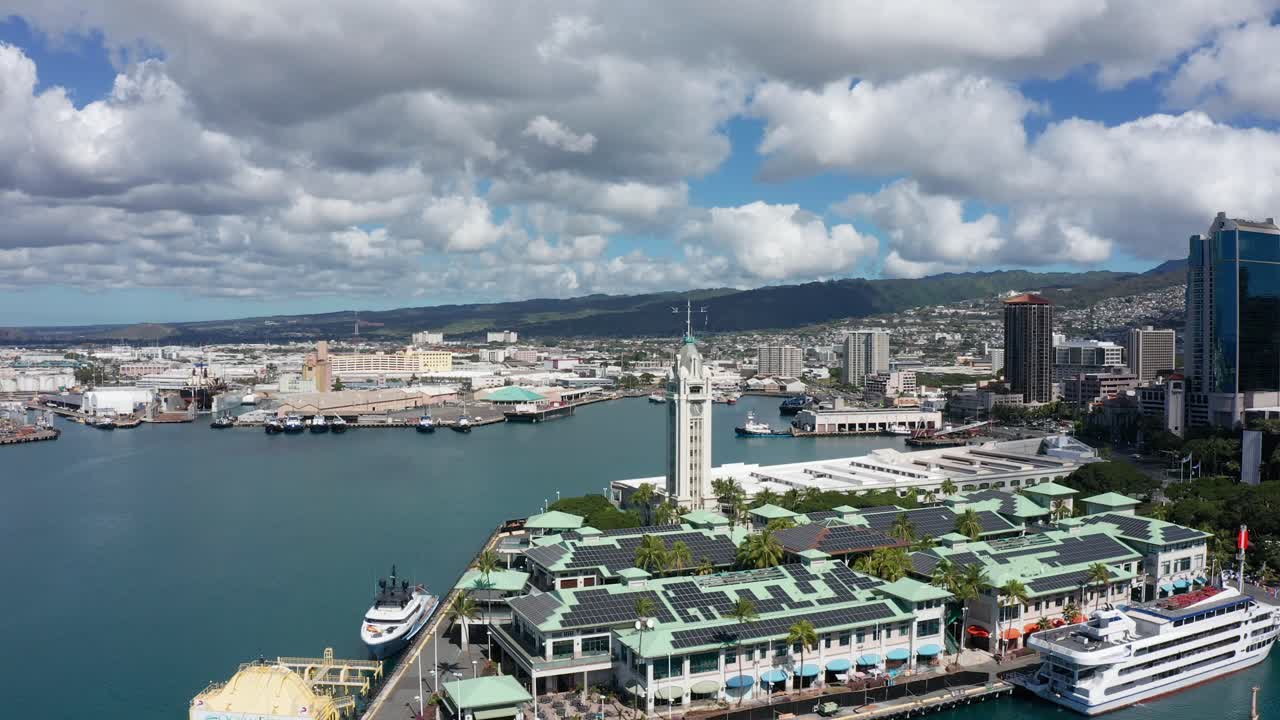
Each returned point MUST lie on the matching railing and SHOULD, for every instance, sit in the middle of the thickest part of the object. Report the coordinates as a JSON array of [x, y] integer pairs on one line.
[[516, 646]]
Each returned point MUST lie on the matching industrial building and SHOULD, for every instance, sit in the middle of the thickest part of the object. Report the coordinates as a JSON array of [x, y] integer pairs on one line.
[[863, 422], [353, 403]]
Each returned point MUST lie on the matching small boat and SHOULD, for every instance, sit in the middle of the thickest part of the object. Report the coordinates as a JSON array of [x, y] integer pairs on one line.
[[732, 398], [754, 428], [127, 422], [337, 424], [425, 424], [399, 612], [462, 425], [250, 399], [793, 405], [222, 421], [104, 422], [318, 424], [899, 429], [657, 398], [273, 426], [293, 425]]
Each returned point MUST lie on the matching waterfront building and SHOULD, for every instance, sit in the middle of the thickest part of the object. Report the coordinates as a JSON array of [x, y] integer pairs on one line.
[[889, 385], [858, 421], [1232, 338], [1088, 388], [779, 361], [866, 352], [1173, 556], [586, 557], [1076, 357], [406, 363], [507, 337], [493, 697], [353, 403], [1028, 348], [427, 337], [1053, 497], [1150, 352], [116, 400], [688, 480]]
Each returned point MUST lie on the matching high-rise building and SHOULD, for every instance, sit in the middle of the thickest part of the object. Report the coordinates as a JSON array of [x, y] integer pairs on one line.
[[779, 361], [427, 337], [1072, 358], [509, 337], [996, 358], [1028, 347], [1232, 339], [689, 429], [866, 352], [1149, 352]]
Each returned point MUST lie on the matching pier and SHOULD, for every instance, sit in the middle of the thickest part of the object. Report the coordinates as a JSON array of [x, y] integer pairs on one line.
[[28, 437]]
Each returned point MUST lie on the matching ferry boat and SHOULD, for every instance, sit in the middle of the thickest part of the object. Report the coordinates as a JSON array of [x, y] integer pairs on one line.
[[426, 424], [318, 424], [273, 426], [293, 424], [337, 424], [754, 428], [398, 613], [657, 398], [1135, 653]]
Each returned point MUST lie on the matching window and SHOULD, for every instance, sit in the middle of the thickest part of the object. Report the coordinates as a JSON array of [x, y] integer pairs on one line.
[[664, 668], [826, 641], [861, 635], [928, 628], [562, 649], [567, 583], [731, 656], [1164, 568], [595, 645], [704, 662], [844, 638], [1184, 564]]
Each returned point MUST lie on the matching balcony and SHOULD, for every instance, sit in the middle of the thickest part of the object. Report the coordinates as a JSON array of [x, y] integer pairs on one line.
[[532, 656]]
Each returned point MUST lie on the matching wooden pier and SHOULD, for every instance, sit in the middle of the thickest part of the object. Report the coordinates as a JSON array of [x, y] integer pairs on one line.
[[20, 437]]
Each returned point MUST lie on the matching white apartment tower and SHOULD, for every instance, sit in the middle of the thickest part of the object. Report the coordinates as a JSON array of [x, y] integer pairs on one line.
[[779, 361], [866, 352], [689, 429]]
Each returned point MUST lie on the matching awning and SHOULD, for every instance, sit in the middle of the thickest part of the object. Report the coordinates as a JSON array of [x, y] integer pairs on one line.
[[977, 631], [668, 692], [704, 687], [1059, 622], [740, 681], [495, 713], [634, 688], [1201, 581], [808, 670], [1181, 584], [1030, 628], [1078, 618], [1166, 588], [1011, 634], [839, 665], [898, 654], [773, 676], [928, 650], [869, 659]]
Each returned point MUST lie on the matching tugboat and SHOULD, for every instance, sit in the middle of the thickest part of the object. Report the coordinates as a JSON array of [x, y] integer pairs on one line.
[[293, 425], [426, 424], [337, 424], [222, 421], [273, 426], [793, 405], [104, 422], [657, 398], [398, 613], [462, 425], [319, 424], [753, 428]]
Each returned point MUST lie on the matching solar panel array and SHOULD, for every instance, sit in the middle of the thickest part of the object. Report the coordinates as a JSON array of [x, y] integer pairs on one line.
[[1128, 525], [536, 607], [746, 576], [1177, 533], [1060, 582], [1008, 501], [834, 540], [718, 549], [547, 555], [934, 521], [652, 530], [1073, 551], [774, 627], [822, 515], [599, 607]]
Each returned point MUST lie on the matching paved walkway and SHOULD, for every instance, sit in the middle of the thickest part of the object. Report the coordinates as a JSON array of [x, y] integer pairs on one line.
[[441, 660]]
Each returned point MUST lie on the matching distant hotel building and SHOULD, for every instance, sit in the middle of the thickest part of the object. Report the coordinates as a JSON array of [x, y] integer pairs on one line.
[[779, 361], [1150, 352], [866, 352], [322, 367], [1232, 340], [509, 337], [1082, 357], [427, 337], [1028, 347]]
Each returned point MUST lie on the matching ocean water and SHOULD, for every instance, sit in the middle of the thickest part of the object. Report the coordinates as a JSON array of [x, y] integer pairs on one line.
[[139, 565]]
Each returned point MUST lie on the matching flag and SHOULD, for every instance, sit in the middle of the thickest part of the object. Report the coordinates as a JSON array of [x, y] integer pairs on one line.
[[1196, 468], [1242, 540], [1186, 459]]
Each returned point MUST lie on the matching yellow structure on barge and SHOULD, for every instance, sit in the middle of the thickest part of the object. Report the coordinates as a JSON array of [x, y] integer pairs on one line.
[[288, 689]]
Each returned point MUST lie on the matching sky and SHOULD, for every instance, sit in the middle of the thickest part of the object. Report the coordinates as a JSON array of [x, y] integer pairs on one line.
[[179, 160]]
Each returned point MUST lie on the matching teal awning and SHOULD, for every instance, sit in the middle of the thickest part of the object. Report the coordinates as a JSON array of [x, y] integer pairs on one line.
[[1181, 584], [773, 676], [928, 650], [898, 654], [1166, 588], [1201, 581], [869, 659], [839, 665], [808, 670], [740, 681]]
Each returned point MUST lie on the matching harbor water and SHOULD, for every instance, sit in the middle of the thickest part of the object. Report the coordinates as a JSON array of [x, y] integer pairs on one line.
[[141, 564]]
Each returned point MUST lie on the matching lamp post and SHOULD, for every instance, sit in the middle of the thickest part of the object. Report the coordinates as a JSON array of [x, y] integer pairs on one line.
[[418, 659], [473, 669]]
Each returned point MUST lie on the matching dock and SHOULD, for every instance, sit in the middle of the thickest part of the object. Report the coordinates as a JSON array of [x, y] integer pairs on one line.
[[19, 438]]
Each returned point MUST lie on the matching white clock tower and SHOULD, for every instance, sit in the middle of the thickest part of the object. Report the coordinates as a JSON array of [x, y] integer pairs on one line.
[[689, 427]]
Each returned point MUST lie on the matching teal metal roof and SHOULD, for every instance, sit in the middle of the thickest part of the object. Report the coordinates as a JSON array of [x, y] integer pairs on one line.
[[514, 394], [554, 520], [1110, 499]]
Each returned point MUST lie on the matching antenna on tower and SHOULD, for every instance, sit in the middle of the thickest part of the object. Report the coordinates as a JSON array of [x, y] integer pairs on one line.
[[688, 318], [357, 312]]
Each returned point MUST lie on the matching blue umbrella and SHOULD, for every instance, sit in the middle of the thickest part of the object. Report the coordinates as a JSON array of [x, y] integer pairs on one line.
[[869, 659]]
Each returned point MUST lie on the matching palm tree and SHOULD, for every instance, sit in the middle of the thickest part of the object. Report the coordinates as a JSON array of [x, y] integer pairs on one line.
[[946, 576], [643, 496], [923, 543], [666, 513], [1070, 612], [1099, 575], [886, 563], [930, 497], [705, 567], [803, 634], [651, 553], [1012, 593], [761, 550], [1044, 623], [679, 556], [1059, 508], [948, 487], [970, 583], [777, 524], [644, 608], [486, 563], [765, 497], [902, 528], [969, 524], [464, 608], [744, 611]]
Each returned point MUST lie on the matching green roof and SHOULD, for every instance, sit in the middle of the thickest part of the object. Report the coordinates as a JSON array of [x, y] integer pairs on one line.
[[1051, 489], [487, 692], [588, 531], [500, 580], [844, 509], [1110, 499], [772, 512], [814, 554], [914, 590], [634, 573], [705, 517], [554, 520], [514, 394], [954, 537]]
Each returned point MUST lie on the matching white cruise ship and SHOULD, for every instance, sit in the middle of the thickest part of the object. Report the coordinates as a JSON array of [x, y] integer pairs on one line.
[[398, 613], [1139, 652]]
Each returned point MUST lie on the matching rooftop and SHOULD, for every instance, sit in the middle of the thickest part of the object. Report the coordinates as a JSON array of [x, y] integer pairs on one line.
[[772, 512], [1140, 529], [1110, 499], [505, 581], [554, 520], [612, 551], [1028, 299], [513, 394], [1049, 489], [486, 692]]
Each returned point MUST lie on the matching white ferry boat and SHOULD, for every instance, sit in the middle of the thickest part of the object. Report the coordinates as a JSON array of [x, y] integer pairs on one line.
[[398, 613], [1136, 653]]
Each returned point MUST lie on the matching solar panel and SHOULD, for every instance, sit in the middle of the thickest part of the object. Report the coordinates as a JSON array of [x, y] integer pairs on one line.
[[1177, 532], [537, 607], [778, 626], [598, 607]]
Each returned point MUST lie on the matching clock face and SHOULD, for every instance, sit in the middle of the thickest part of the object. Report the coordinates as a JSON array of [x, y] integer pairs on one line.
[[696, 409]]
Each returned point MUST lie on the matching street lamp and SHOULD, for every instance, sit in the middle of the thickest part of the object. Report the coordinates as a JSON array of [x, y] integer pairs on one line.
[[473, 669]]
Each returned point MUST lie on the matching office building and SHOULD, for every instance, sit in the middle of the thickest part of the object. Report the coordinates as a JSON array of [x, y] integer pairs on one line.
[[1232, 339], [779, 361], [427, 337], [1072, 358], [406, 363], [866, 352], [1166, 401], [889, 385], [1150, 352], [1087, 388], [1028, 347], [508, 337], [995, 356]]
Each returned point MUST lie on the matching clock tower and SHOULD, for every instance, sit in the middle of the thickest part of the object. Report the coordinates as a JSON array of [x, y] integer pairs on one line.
[[689, 428]]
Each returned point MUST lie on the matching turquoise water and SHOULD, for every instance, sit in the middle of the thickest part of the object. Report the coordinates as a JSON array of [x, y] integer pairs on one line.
[[142, 564]]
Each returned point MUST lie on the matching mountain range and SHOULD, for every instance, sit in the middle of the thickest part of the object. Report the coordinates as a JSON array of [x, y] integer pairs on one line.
[[772, 307]]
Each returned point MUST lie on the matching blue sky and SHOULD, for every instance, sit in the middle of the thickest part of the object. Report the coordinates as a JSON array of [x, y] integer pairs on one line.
[[225, 172]]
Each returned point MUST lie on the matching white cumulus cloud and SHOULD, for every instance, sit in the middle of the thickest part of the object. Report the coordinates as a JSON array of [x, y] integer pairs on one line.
[[551, 133]]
